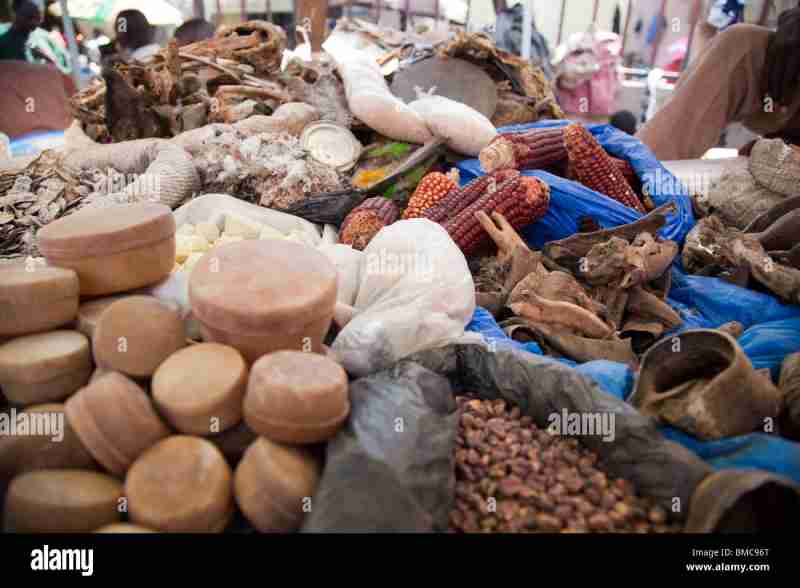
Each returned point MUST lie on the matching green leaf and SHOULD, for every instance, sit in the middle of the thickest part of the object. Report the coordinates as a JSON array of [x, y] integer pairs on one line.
[[395, 150]]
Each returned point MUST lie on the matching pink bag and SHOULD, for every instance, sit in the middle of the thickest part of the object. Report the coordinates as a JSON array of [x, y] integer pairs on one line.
[[588, 78]]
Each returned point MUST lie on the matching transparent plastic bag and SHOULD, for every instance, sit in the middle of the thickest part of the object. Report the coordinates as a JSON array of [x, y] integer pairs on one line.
[[415, 292]]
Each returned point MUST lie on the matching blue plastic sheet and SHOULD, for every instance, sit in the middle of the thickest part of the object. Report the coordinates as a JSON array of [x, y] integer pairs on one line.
[[772, 328]]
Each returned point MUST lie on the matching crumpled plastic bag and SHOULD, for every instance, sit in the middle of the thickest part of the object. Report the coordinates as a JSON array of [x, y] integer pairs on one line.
[[415, 292], [391, 468]]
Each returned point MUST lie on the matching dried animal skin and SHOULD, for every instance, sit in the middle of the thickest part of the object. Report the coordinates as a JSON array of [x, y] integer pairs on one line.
[[776, 166], [624, 264], [524, 94], [574, 347], [711, 244], [317, 84], [568, 252], [738, 199], [528, 304], [645, 305]]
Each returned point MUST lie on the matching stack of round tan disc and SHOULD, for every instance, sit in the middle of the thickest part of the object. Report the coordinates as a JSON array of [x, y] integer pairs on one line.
[[263, 296], [36, 298], [123, 528], [200, 388], [62, 501], [44, 367], [180, 485], [115, 420], [275, 484], [113, 248], [296, 397], [136, 334], [89, 312], [53, 449]]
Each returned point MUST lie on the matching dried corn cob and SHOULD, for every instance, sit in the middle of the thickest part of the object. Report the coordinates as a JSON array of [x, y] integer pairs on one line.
[[521, 200], [431, 189], [594, 168], [536, 149], [624, 166], [457, 200], [366, 219]]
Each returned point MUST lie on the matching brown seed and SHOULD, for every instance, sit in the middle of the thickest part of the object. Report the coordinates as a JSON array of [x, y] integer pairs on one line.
[[514, 413], [497, 471], [599, 522], [525, 421], [608, 501], [547, 523], [599, 480], [488, 523], [558, 490], [498, 454], [584, 507], [617, 519], [509, 487], [574, 484], [497, 426], [467, 420], [543, 502], [507, 509], [593, 495], [499, 406], [514, 449], [526, 434], [571, 457], [472, 457], [564, 512]]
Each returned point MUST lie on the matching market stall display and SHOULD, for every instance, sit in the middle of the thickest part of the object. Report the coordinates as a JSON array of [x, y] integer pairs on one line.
[[269, 293]]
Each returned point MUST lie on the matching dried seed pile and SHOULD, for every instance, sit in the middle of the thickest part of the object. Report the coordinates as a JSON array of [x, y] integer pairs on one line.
[[512, 477]]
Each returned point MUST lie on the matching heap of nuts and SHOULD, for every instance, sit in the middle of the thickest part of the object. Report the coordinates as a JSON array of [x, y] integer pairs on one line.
[[512, 477]]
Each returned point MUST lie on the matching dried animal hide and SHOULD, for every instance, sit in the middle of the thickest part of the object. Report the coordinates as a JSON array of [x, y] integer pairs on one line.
[[619, 263], [524, 94], [581, 349], [711, 244], [567, 253], [738, 199], [776, 166], [318, 85]]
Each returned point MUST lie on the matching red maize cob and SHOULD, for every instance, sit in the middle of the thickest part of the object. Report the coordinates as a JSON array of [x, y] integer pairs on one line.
[[366, 219], [521, 200], [460, 198], [594, 168], [624, 166], [430, 190], [535, 149]]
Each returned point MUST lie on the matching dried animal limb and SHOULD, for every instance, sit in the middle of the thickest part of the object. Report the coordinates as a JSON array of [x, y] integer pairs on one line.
[[529, 305], [574, 347], [645, 305], [568, 252]]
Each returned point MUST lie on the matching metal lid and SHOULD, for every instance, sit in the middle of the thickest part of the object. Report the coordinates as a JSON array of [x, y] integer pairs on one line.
[[331, 144]]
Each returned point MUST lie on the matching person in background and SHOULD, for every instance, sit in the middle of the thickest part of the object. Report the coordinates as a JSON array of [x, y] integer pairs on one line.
[[749, 74], [625, 121], [134, 36], [718, 15], [196, 29], [27, 18]]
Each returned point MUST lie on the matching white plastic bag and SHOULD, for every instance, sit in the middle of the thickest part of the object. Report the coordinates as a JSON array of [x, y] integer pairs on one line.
[[415, 292]]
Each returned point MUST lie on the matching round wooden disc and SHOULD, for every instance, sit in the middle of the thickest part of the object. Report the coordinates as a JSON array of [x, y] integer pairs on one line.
[[454, 78]]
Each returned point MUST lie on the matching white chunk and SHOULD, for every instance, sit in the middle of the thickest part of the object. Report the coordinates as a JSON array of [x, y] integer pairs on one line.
[[239, 226], [208, 230], [268, 232], [183, 247], [187, 229]]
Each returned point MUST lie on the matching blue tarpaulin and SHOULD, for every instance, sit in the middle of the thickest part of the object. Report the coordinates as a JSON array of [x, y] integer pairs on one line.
[[772, 328]]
